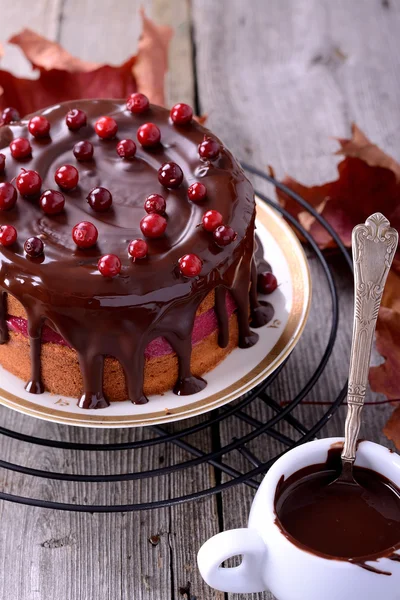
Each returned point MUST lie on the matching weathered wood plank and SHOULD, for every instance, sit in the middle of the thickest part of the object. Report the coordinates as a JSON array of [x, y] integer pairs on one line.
[[42, 16], [279, 79]]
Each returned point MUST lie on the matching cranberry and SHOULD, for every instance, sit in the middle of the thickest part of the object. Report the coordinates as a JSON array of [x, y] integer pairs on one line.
[[209, 148], [211, 220], [181, 114], [170, 175], [39, 126], [190, 265], [137, 103], [106, 128], [155, 204], [109, 265], [8, 235], [197, 192], [20, 148], [266, 283], [149, 135], [153, 226], [8, 196], [75, 119], [33, 247], [85, 234], [138, 249], [9, 115], [2, 163], [28, 183], [126, 148], [100, 199], [224, 235], [52, 202], [83, 151], [67, 177]]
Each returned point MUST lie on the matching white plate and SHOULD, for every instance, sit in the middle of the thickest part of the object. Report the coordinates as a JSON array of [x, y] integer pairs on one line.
[[237, 374]]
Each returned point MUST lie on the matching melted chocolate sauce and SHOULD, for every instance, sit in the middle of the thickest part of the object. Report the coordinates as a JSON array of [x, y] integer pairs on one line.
[[98, 316], [355, 523]]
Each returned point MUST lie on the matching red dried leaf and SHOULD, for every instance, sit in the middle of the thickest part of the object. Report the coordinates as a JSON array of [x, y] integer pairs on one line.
[[369, 181], [63, 77], [392, 428]]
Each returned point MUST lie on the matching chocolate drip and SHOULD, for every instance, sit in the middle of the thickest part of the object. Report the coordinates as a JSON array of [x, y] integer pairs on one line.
[[92, 373], [134, 375], [395, 557], [222, 316], [261, 312], [187, 383], [98, 316], [35, 385], [367, 567], [3, 314]]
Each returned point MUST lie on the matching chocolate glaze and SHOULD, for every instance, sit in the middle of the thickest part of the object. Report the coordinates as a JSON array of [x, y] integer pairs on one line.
[[118, 317], [358, 524]]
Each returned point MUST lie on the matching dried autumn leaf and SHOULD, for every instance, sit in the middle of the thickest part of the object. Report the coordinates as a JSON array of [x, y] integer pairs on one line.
[[63, 77], [392, 428], [369, 181]]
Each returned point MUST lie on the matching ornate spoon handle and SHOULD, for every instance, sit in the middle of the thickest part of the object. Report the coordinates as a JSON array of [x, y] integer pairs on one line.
[[374, 245]]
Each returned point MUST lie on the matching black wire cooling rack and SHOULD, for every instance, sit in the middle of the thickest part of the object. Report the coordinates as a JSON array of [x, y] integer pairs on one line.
[[224, 459]]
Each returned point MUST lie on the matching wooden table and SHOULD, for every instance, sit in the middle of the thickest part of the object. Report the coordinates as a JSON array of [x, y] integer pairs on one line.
[[277, 79]]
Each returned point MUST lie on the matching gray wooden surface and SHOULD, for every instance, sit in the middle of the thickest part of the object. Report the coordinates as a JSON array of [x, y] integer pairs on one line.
[[277, 79]]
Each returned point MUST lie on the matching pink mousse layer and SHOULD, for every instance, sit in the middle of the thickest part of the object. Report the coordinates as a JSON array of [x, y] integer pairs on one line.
[[204, 325]]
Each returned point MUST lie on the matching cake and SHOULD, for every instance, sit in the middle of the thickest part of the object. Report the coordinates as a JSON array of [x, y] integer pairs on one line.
[[126, 251]]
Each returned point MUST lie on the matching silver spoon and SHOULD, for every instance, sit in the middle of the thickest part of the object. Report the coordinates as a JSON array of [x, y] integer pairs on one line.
[[374, 245]]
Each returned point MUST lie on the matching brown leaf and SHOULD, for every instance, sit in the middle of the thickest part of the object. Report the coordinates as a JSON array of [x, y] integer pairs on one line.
[[369, 181], [392, 428], [63, 77], [152, 59], [385, 378]]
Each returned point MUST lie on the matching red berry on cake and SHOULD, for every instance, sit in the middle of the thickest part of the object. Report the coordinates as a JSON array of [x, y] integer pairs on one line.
[[85, 234], [149, 135], [109, 265], [75, 119], [8, 235], [52, 202], [153, 226], [181, 114], [8, 196], [2, 163], [170, 175], [39, 126], [83, 151], [138, 249], [20, 148], [137, 103], [155, 204], [190, 265], [106, 128], [28, 183], [126, 148], [211, 220], [67, 177], [100, 199], [266, 283], [197, 192], [9, 115], [33, 247], [209, 149], [224, 235]]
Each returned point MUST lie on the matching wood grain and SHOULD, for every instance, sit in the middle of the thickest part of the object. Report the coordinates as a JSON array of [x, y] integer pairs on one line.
[[277, 80]]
